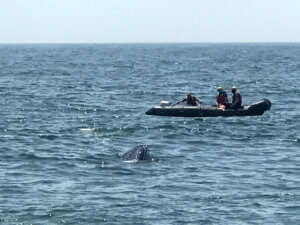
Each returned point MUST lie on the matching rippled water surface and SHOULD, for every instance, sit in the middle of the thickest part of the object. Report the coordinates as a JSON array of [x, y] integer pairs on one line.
[[69, 111]]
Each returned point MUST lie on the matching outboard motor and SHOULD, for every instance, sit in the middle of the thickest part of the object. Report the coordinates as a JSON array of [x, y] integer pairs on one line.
[[164, 103]]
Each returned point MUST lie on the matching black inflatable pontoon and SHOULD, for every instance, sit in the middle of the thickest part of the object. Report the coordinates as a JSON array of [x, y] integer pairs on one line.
[[254, 109]]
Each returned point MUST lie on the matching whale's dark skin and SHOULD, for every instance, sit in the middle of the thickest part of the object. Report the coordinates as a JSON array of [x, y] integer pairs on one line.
[[139, 153]]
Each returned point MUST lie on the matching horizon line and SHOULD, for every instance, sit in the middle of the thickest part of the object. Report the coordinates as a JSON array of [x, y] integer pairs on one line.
[[208, 42]]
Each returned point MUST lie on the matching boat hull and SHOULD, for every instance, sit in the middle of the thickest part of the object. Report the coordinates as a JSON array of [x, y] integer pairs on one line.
[[255, 109]]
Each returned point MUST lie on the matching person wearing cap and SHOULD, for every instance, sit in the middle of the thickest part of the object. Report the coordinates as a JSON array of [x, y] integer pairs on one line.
[[236, 98], [221, 98], [190, 100]]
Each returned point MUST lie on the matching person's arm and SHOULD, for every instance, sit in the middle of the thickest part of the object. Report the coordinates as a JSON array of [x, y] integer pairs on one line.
[[183, 100], [225, 97], [198, 101], [234, 103], [237, 100]]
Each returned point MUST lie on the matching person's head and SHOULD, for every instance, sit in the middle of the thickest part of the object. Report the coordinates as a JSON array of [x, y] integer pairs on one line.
[[189, 95], [233, 89], [219, 89]]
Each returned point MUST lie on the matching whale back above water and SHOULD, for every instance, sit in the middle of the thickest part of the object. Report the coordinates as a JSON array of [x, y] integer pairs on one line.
[[139, 153]]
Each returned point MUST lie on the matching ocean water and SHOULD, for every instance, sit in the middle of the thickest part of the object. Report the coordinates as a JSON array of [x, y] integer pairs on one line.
[[69, 111]]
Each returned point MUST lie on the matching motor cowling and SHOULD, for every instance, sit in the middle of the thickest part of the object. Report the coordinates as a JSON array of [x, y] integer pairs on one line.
[[164, 103]]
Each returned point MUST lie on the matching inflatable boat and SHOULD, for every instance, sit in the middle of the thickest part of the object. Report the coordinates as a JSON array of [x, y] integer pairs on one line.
[[166, 109]]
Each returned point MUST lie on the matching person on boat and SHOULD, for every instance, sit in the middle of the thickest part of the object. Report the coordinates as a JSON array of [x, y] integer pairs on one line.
[[236, 98], [221, 98], [190, 100]]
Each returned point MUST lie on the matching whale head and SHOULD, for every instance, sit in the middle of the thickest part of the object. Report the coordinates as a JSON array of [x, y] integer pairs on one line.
[[139, 153]]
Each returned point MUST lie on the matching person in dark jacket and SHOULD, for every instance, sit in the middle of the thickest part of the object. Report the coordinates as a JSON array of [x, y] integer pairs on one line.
[[221, 98], [190, 100], [236, 98]]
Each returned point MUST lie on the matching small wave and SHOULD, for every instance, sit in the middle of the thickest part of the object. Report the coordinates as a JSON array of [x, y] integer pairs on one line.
[[291, 140], [123, 66], [33, 156], [114, 131], [282, 196], [87, 129], [49, 137], [166, 61]]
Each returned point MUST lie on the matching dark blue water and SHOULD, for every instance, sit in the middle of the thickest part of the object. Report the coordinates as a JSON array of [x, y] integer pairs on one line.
[[69, 111]]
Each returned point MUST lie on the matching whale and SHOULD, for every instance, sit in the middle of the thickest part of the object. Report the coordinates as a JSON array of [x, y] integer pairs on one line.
[[139, 153]]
